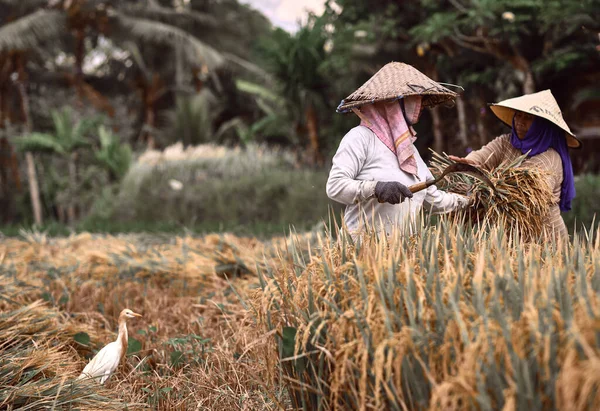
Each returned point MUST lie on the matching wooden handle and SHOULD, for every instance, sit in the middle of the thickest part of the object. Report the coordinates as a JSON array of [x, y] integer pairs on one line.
[[421, 186]]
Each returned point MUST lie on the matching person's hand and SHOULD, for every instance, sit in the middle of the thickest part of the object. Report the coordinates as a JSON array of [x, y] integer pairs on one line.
[[463, 160], [465, 201], [391, 192]]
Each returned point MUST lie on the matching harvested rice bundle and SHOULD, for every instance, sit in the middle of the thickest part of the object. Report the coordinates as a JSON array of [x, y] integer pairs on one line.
[[521, 201]]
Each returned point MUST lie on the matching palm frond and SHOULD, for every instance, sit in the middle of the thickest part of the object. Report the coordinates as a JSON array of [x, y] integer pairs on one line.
[[113, 155], [143, 30], [258, 90], [249, 66], [39, 142], [169, 16], [31, 31], [69, 133]]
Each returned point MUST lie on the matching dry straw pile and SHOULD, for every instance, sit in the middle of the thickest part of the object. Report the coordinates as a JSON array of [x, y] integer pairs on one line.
[[521, 201], [446, 319], [38, 360], [194, 348]]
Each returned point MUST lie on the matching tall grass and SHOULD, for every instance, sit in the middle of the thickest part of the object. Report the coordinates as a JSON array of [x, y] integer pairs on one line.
[[450, 318], [230, 186]]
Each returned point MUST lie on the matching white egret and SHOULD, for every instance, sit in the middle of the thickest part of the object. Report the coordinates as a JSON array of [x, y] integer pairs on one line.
[[108, 358]]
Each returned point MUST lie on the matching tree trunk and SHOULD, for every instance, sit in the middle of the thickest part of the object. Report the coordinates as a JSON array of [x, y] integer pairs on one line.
[[34, 188], [462, 122], [71, 210], [313, 135], [150, 121], [438, 134]]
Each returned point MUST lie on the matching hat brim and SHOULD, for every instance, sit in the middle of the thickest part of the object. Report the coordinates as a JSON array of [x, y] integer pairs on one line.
[[429, 100], [506, 114]]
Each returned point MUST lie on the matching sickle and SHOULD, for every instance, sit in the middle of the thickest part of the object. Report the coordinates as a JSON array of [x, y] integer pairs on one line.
[[454, 168]]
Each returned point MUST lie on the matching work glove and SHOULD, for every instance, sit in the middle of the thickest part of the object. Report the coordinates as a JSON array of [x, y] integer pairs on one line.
[[391, 192]]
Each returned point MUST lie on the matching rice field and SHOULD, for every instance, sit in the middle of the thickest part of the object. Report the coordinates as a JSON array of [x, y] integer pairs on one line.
[[452, 317]]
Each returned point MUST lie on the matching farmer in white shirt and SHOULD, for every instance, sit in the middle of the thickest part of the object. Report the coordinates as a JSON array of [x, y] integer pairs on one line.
[[377, 161]]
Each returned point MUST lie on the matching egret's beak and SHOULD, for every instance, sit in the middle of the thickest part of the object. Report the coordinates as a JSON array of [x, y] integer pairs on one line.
[[136, 314]]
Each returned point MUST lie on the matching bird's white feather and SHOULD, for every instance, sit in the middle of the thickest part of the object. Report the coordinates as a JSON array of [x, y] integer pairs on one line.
[[104, 363]]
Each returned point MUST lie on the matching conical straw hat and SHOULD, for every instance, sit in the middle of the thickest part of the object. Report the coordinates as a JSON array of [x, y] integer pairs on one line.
[[541, 104], [394, 81]]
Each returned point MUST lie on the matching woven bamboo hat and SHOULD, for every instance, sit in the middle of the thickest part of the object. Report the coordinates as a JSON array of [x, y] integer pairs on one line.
[[541, 104], [394, 81]]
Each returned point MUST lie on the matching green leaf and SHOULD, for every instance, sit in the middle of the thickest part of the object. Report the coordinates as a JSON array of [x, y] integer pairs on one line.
[[176, 358], [82, 338], [289, 341], [39, 142], [133, 346]]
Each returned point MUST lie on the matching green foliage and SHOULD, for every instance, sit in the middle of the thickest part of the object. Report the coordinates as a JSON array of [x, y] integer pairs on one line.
[[133, 346], [40, 143], [192, 119], [82, 338], [585, 207], [113, 155], [296, 61], [68, 135], [238, 188], [188, 350]]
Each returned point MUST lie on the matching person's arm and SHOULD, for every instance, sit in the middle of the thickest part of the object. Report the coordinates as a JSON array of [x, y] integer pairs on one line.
[[342, 185], [489, 156], [440, 202]]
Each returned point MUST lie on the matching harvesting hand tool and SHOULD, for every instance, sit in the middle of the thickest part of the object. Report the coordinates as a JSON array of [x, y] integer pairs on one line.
[[454, 168]]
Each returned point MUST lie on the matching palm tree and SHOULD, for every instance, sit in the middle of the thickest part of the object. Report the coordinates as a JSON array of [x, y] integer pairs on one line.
[[296, 62], [36, 23], [67, 138]]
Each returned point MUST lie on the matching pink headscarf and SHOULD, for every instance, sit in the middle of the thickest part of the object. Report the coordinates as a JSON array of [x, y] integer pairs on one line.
[[388, 124]]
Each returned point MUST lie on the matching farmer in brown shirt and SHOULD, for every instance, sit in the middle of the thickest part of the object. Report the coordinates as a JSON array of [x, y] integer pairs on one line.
[[538, 130]]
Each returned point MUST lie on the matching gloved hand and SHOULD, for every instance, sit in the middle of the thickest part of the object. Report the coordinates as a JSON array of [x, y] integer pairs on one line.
[[391, 192]]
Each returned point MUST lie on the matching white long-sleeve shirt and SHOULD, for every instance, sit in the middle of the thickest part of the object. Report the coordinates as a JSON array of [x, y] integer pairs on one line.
[[359, 163]]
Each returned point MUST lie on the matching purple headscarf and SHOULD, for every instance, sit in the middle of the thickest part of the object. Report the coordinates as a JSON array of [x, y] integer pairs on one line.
[[541, 136]]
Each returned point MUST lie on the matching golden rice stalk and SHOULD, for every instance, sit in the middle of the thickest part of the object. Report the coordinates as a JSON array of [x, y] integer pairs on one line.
[[458, 319], [521, 201]]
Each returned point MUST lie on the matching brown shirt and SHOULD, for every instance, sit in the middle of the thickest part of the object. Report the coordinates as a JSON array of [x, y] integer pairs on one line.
[[500, 149]]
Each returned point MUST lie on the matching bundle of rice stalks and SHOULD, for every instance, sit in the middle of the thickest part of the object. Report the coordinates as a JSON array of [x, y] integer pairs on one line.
[[459, 319], [38, 368], [521, 201]]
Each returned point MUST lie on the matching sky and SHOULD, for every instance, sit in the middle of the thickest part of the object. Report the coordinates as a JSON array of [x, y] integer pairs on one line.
[[286, 13]]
